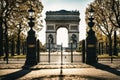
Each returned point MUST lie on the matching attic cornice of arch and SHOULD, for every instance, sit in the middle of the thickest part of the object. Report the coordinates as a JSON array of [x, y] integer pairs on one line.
[[62, 25], [63, 12]]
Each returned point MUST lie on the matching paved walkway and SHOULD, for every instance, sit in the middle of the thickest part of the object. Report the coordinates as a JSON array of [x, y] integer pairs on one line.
[[57, 74], [101, 71]]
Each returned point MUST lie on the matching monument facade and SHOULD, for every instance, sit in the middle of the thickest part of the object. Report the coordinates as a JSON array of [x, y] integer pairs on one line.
[[63, 18]]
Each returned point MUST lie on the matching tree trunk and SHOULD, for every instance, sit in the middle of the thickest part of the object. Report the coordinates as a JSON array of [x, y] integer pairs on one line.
[[18, 41], [38, 51], [13, 48], [106, 49], [102, 51], [6, 42], [1, 37], [110, 45], [99, 48], [18, 45]]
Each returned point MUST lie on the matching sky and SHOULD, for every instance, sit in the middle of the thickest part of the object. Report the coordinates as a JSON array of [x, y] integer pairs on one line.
[[55, 5]]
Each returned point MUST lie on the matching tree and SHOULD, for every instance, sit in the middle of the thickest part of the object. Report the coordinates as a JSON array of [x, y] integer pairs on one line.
[[21, 21], [5, 8], [104, 14], [8, 11], [114, 7], [3, 13]]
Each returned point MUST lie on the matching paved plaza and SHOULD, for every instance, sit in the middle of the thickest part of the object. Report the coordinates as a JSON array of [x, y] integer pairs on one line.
[[104, 70], [55, 72]]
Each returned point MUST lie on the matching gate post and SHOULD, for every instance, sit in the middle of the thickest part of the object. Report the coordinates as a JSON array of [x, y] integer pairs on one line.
[[31, 57], [91, 40], [83, 51]]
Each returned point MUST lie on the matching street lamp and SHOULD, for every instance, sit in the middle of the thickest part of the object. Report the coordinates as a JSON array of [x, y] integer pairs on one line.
[[61, 61], [31, 58], [49, 48], [91, 11], [31, 15], [91, 18], [91, 56], [31, 12], [71, 50]]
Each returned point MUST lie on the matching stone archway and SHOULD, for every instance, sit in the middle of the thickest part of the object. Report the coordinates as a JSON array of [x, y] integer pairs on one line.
[[74, 40], [62, 18], [62, 37]]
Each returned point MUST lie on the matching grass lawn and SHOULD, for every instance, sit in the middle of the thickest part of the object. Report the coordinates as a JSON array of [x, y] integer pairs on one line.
[[107, 56], [14, 57], [24, 56]]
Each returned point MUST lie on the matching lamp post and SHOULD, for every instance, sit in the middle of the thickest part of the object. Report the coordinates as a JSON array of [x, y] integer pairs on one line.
[[31, 58], [49, 49], [71, 50], [61, 60], [91, 56]]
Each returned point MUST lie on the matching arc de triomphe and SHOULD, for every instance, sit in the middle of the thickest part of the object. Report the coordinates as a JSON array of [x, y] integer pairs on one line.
[[57, 19]]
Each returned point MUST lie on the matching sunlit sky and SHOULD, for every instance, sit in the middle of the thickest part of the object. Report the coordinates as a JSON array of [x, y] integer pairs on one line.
[[55, 5]]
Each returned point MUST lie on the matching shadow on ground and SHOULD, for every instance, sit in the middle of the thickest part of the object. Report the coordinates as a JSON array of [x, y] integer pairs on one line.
[[18, 74], [15, 75], [70, 77], [106, 68]]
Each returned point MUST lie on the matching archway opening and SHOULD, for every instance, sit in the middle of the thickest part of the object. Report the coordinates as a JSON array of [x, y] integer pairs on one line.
[[62, 37]]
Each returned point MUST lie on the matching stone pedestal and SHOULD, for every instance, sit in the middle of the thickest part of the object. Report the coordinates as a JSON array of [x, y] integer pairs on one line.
[[31, 57], [91, 55]]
